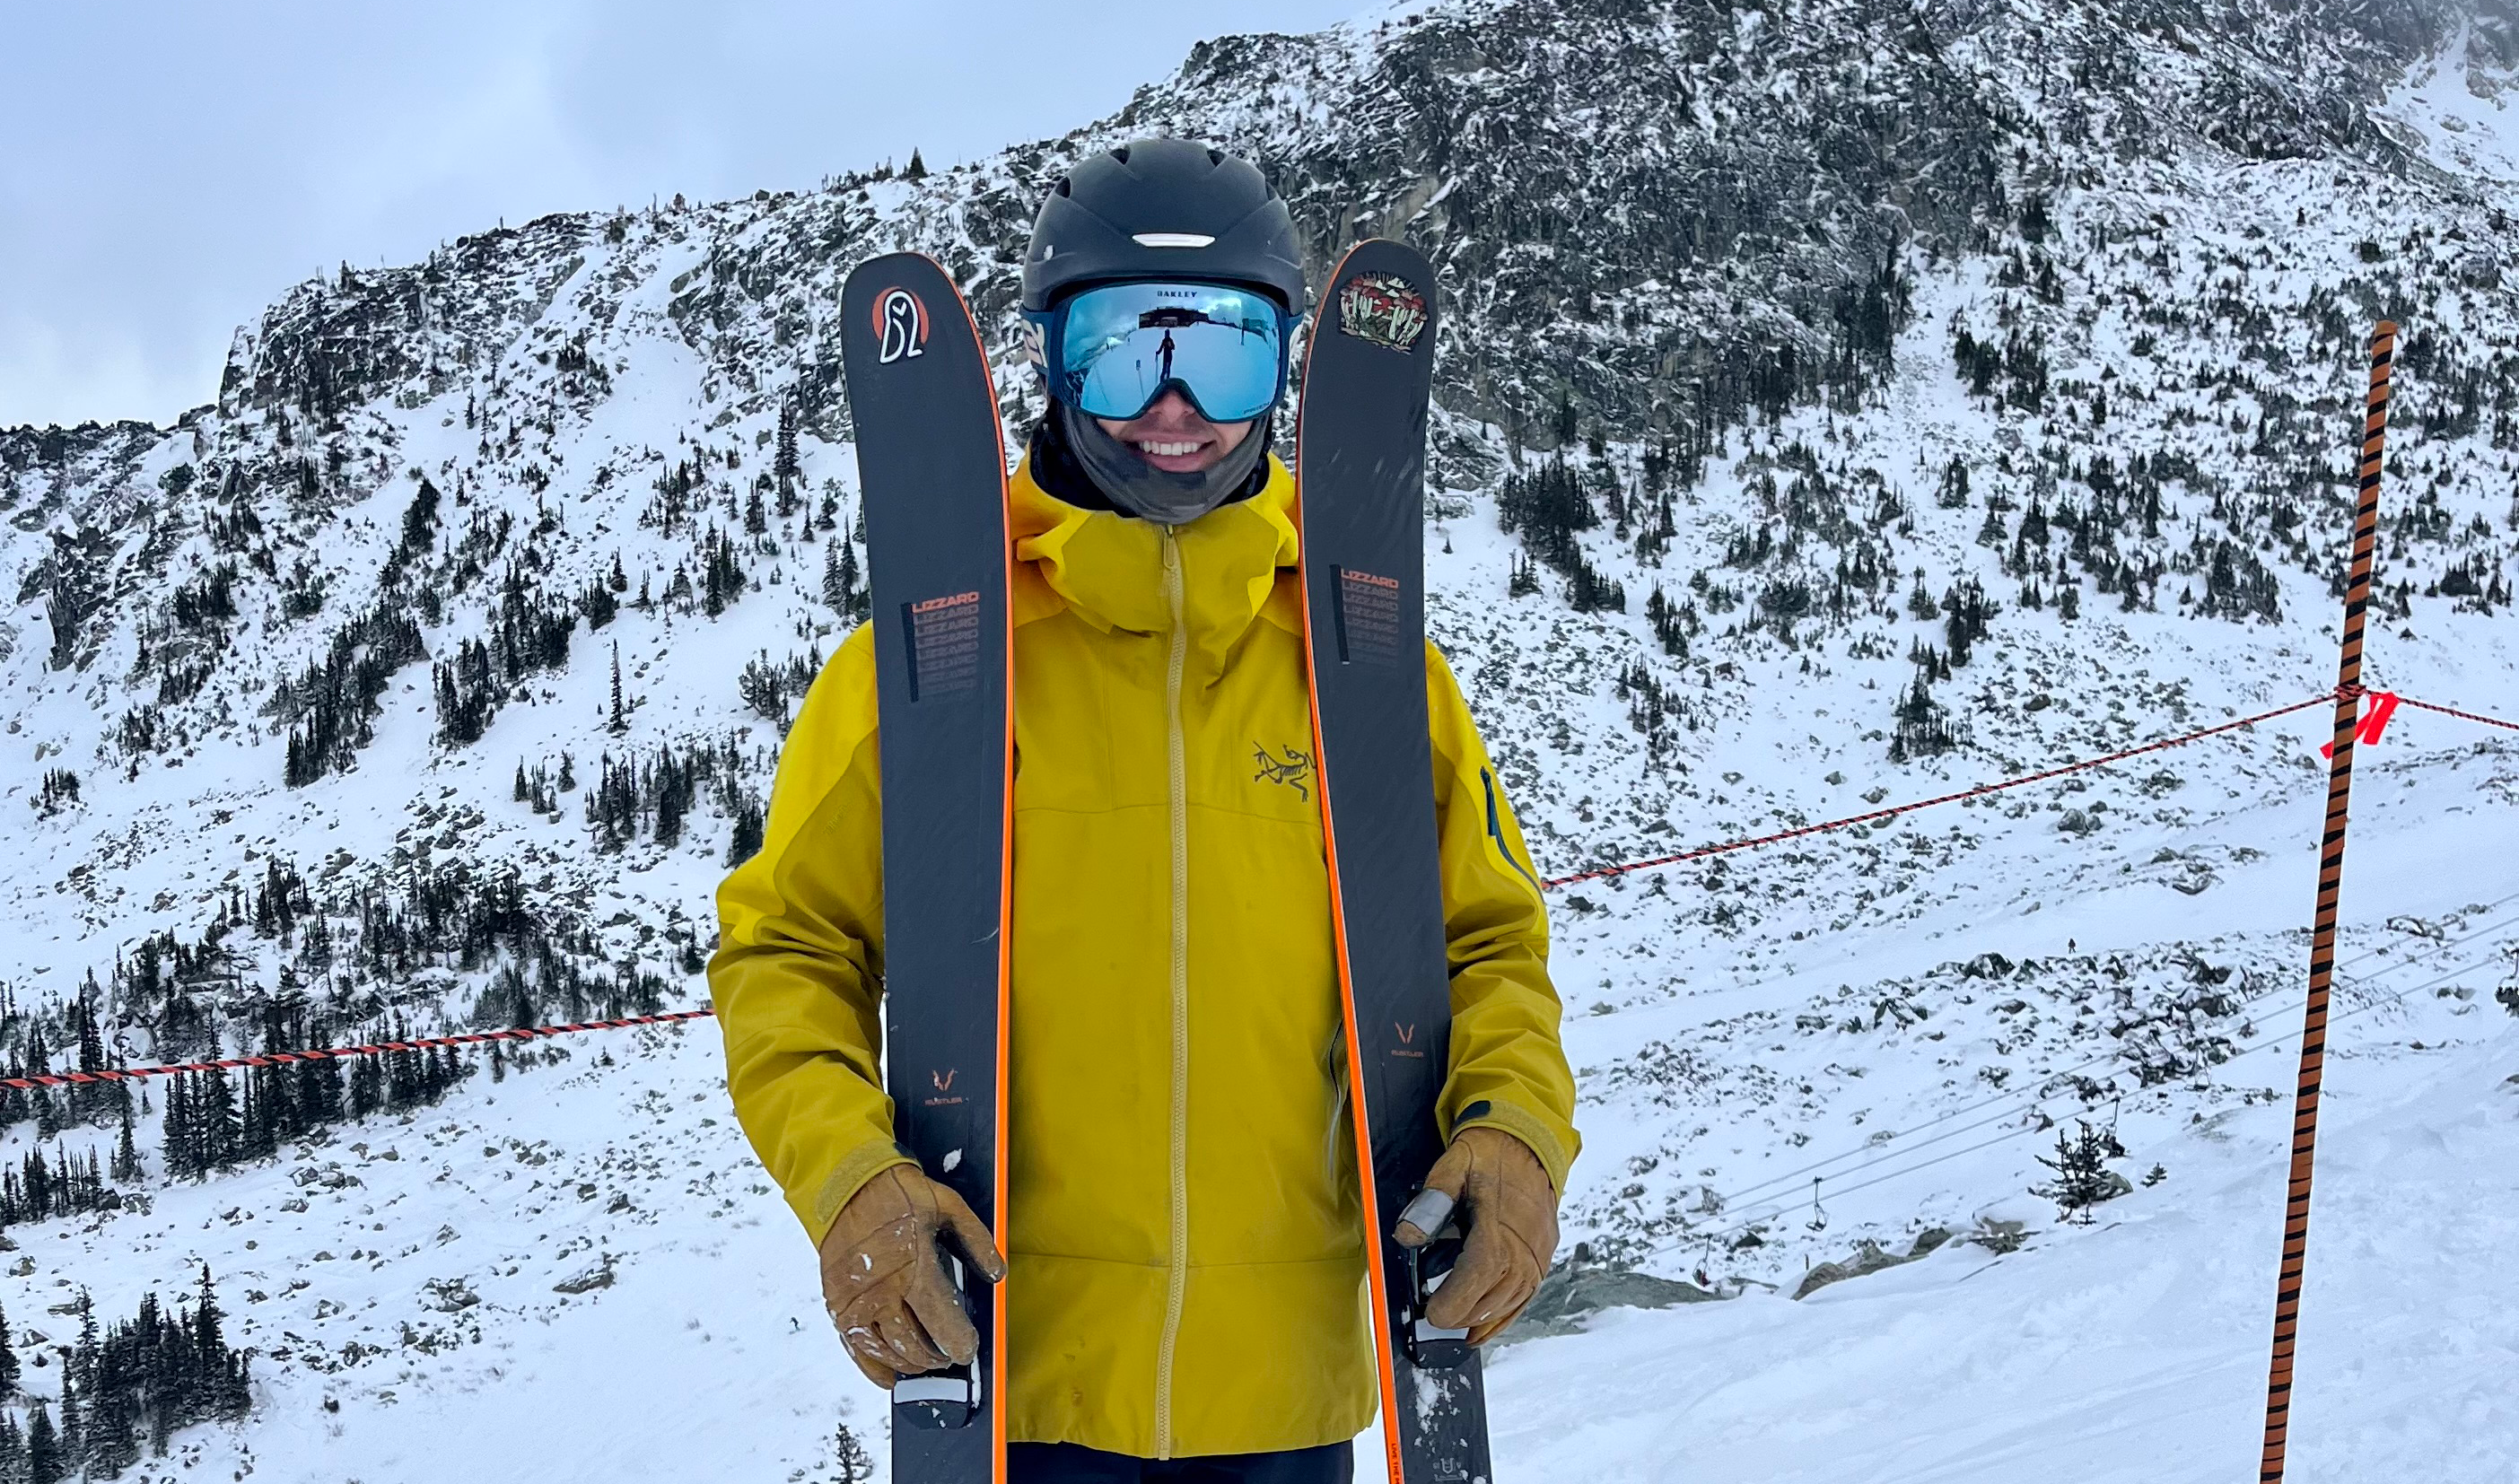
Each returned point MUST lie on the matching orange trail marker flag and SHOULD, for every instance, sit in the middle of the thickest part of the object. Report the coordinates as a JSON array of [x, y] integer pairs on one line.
[[2374, 723]]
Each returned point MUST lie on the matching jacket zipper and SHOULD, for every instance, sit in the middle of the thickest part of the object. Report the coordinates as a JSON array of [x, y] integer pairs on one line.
[[1495, 830], [1179, 813]]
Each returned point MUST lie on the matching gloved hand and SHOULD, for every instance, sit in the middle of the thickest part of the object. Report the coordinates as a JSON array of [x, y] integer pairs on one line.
[[1508, 1211], [884, 1279]]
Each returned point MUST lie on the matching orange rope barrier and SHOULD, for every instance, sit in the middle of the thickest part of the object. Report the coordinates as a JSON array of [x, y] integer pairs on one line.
[[1896, 809], [330, 1052]]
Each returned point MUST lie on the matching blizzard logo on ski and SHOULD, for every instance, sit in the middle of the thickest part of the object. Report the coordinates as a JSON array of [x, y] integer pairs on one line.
[[1293, 769], [1382, 309], [1364, 608], [900, 322], [943, 1082], [944, 645], [1408, 1046]]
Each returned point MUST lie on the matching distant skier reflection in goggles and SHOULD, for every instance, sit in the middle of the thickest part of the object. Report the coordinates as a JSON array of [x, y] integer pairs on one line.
[[1113, 350]]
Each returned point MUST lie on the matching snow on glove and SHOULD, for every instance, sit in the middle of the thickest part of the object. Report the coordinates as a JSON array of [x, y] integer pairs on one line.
[[1510, 1211], [884, 1279]]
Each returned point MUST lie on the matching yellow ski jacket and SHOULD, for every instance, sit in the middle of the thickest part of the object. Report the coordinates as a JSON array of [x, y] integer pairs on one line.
[[1184, 1237]]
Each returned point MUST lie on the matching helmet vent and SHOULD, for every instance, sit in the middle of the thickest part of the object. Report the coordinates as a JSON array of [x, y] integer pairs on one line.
[[1215, 157], [1121, 154], [1174, 240]]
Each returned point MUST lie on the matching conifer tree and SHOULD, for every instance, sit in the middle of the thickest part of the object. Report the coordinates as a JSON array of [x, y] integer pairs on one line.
[[850, 1458], [43, 1448], [748, 823], [181, 1158], [2083, 1178], [857, 591], [82, 1363], [8, 1368], [783, 467], [112, 1441], [72, 1441], [91, 1041], [620, 721], [126, 1151], [215, 1122], [210, 1337]]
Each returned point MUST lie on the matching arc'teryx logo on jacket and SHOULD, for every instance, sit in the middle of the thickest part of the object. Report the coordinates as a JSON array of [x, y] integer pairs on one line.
[[1289, 765]]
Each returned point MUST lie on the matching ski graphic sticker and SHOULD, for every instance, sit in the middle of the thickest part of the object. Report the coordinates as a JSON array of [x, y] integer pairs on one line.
[[1382, 309], [899, 324]]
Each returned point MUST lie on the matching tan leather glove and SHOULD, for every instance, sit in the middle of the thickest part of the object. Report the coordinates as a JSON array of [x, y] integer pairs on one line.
[[1508, 1211], [884, 1279]]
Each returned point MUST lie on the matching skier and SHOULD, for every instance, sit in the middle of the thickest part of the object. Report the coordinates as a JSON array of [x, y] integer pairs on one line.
[[1184, 1253]]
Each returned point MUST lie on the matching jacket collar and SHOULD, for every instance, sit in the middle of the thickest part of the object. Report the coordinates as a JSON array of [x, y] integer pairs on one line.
[[1108, 568]]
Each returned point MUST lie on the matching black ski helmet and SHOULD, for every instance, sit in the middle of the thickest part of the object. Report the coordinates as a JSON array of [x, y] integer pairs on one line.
[[1162, 209]]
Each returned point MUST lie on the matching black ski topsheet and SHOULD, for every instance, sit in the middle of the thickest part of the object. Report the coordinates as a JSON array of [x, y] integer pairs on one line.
[[1360, 457], [931, 464]]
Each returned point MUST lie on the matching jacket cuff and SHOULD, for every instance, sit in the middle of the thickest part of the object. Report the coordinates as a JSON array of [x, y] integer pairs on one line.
[[862, 1164], [1528, 1127]]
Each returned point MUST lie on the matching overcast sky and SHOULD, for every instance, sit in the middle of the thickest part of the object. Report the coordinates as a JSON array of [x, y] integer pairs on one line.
[[167, 170]]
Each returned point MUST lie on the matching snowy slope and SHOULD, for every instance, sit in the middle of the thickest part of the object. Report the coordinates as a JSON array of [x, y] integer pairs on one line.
[[2134, 1351], [2171, 236], [2134, 1346]]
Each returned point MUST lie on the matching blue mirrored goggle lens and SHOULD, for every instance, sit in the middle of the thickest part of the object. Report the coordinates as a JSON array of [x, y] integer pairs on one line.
[[1119, 346]]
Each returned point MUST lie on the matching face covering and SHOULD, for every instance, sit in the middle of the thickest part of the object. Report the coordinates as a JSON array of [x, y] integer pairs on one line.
[[1139, 489]]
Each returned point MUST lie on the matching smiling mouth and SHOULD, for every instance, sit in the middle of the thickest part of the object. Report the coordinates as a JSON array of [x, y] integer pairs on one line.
[[1153, 449]]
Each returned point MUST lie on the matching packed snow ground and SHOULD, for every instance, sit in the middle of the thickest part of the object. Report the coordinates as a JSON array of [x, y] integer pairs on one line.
[[2132, 1353]]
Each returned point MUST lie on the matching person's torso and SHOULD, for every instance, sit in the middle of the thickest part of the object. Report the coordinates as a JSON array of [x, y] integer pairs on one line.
[[1175, 1052]]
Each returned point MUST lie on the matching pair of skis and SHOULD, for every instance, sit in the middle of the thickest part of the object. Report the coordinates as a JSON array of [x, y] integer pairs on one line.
[[931, 465]]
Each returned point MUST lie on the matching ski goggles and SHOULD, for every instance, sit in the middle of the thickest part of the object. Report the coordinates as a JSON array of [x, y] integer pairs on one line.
[[1113, 350]]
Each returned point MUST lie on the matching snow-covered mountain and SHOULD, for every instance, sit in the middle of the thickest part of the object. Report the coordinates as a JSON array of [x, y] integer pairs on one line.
[[1840, 404]]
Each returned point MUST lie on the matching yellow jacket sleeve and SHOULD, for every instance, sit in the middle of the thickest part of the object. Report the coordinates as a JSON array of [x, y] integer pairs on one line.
[[797, 976], [1507, 1067]]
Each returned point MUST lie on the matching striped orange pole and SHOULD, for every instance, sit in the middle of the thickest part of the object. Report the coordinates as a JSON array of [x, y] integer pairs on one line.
[[2321, 951]]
